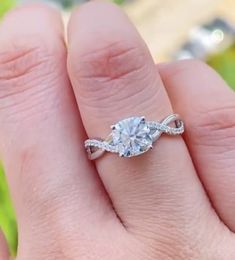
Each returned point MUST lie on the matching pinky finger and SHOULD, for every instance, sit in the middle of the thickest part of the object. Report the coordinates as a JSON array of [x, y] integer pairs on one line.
[[4, 252]]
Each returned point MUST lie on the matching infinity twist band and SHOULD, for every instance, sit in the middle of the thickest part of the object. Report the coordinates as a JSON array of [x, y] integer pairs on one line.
[[133, 136]]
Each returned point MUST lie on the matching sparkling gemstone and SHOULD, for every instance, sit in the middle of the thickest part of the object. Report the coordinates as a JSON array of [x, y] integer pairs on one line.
[[132, 136]]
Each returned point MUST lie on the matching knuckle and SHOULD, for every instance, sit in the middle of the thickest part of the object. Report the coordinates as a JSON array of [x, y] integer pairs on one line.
[[22, 63], [116, 72], [216, 127], [27, 70], [17, 63], [116, 61]]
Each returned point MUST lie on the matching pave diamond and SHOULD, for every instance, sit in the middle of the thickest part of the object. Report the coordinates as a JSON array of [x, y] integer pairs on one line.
[[132, 136]]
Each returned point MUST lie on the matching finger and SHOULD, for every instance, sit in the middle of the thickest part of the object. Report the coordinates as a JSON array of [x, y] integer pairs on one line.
[[208, 106], [4, 252], [41, 136], [114, 78]]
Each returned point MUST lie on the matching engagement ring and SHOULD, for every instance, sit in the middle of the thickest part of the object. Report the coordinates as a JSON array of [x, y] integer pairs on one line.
[[133, 136]]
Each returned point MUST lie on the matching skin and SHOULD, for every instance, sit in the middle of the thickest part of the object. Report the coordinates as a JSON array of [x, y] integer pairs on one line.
[[175, 202]]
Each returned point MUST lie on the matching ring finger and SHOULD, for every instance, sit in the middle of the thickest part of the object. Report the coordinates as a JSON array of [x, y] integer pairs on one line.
[[114, 77]]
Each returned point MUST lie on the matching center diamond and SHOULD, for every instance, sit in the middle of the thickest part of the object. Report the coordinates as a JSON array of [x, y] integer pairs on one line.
[[131, 136]]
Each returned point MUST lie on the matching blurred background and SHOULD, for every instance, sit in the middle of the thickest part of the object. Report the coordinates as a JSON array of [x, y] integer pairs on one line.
[[173, 30]]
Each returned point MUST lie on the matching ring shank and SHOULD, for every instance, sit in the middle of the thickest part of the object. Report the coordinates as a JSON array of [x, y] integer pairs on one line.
[[96, 154]]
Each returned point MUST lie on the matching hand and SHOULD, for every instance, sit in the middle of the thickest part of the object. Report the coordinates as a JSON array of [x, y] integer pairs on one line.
[[175, 202]]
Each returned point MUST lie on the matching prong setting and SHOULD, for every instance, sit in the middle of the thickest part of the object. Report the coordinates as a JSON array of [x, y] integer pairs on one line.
[[132, 136]]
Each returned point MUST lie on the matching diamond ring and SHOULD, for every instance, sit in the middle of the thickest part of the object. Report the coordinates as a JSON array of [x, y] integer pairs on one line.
[[133, 136]]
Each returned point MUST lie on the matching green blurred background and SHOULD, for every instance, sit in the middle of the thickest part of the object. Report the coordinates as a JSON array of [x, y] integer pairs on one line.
[[223, 61]]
